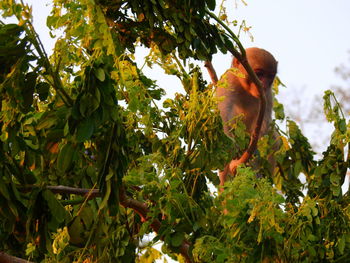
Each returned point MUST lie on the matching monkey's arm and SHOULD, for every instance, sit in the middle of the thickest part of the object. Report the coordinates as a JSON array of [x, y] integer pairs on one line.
[[231, 167], [211, 71]]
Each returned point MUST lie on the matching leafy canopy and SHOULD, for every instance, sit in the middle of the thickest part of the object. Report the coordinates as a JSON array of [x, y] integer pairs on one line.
[[87, 117]]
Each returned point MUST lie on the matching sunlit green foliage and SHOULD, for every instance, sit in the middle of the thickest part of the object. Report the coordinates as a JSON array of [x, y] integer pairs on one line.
[[88, 117]]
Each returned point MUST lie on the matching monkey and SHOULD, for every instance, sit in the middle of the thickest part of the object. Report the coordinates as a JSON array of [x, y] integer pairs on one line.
[[238, 95]]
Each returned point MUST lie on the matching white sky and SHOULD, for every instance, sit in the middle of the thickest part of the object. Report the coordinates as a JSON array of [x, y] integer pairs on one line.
[[309, 38]]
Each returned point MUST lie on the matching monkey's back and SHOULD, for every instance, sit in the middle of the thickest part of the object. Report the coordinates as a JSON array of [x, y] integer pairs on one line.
[[233, 101]]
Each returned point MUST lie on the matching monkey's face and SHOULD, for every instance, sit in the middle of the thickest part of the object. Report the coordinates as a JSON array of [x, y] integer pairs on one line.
[[266, 77], [264, 66]]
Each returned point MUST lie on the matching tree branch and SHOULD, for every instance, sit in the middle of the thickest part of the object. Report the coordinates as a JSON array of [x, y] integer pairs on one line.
[[211, 71], [142, 209], [56, 82], [6, 258], [61, 189], [139, 207]]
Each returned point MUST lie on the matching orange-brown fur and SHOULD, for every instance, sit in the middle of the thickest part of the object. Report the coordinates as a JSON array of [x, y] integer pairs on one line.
[[238, 95]]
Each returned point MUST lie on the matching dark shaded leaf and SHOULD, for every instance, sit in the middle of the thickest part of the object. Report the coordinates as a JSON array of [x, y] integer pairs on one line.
[[65, 157], [85, 130]]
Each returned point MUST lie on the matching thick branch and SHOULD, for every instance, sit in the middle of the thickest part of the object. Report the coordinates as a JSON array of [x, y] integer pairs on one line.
[[6, 258], [211, 71]]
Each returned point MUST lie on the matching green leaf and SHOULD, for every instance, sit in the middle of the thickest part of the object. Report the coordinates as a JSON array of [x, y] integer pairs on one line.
[[56, 209], [3, 188], [42, 88], [342, 126], [13, 209], [46, 122], [297, 168], [65, 157], [334, 179], [88, 102], [177, 238], [314, 211], [211, 4], [100, 74], [107, 192], [28, 90], [85, 130], [279, 110], [335, 190], [10, 29], [341, 244], [51, 21], [76, 231]]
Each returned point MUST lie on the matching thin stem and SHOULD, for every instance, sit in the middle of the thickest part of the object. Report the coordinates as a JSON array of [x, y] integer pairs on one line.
[[57, 83], [234, 52]]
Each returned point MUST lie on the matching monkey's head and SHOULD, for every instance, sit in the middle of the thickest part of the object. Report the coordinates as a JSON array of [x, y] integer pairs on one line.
[[264, 66]]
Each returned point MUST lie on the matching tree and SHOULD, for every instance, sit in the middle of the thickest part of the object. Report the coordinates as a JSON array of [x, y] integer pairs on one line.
[[91, 163]]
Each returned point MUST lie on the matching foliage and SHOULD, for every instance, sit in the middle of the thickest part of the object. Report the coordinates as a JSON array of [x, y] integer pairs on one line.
[[88, 117]]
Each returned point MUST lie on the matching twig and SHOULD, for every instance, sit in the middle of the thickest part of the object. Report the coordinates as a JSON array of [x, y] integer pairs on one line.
[[61, 189], [39, 47]]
